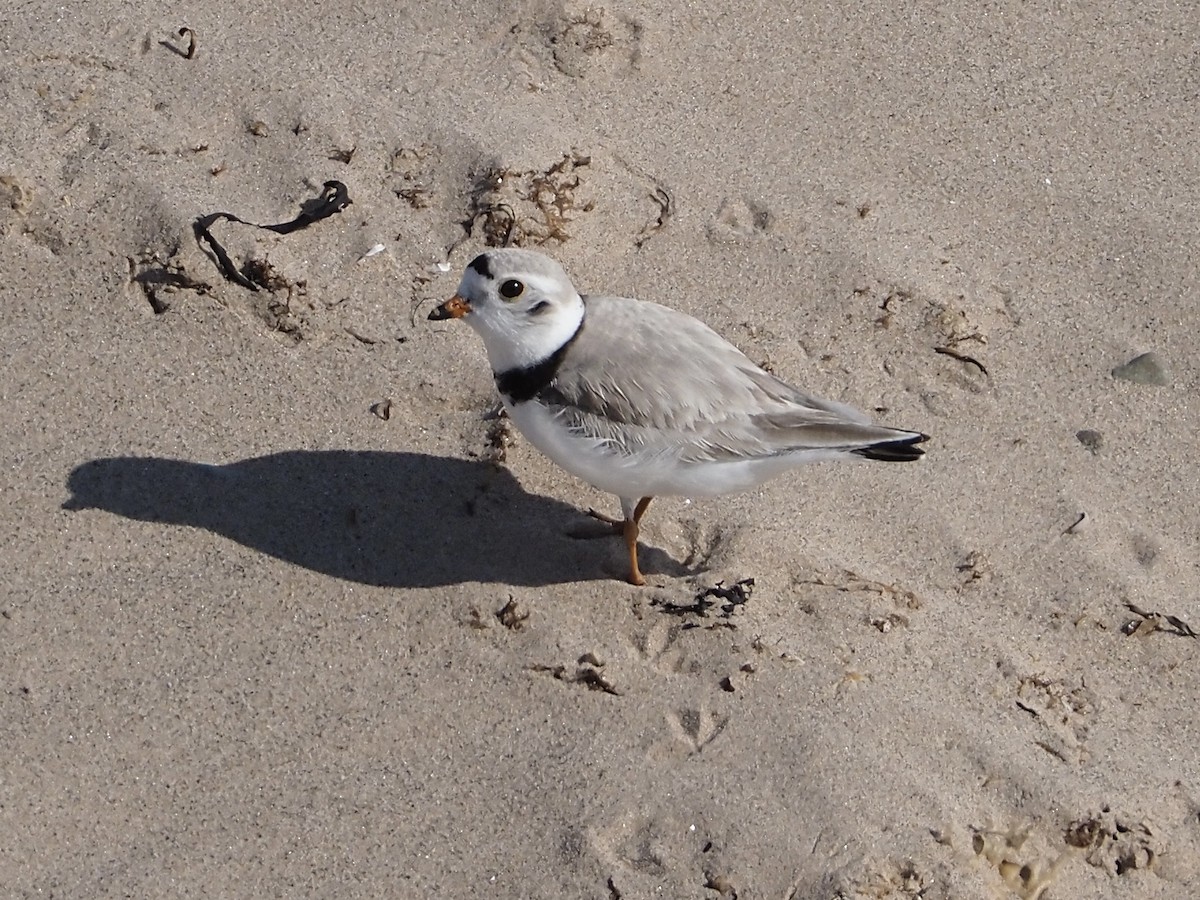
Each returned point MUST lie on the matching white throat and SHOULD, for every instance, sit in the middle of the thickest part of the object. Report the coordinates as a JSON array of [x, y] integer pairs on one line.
[[513, 343]]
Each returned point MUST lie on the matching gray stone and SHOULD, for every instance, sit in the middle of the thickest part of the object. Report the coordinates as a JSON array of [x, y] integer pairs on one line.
[[1145, 369]]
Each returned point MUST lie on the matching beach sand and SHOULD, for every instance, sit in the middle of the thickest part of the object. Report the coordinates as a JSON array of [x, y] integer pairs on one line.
[[287, 611]]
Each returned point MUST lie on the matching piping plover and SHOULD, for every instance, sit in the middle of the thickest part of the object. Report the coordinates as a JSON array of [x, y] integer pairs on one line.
[[640, 400]]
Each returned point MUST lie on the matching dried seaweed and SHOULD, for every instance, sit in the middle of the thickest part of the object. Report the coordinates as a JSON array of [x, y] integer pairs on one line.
[[333, 199]]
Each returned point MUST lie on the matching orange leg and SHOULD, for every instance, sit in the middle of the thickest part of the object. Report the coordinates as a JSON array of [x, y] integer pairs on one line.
[[630, 530], [627, 527]]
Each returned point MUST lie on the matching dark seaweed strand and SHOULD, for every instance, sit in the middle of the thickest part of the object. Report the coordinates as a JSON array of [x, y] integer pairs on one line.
[[334, 198], [524, 383]]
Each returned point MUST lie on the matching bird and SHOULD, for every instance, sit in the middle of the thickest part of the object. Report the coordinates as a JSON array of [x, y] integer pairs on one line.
[[641, 400]]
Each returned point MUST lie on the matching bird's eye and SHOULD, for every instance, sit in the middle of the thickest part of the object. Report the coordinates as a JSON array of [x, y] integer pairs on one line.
[[511, 289]]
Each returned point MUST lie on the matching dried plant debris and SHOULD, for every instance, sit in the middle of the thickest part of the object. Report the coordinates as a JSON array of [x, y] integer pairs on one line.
[[849, 582], [278, 311], [161, 279], [1077, 525], [1148, 622], [186, 32], [665, 210], [333, 199], [594, 681], [586, 675], [975, 569], [953, 325], [188, 52], [261, 274], [513, 208], [961, 357], [886, 623], [413, 174], [499, 438], [512, 615], [731, 597], [725, 599], [889, 305], [1064, 709]]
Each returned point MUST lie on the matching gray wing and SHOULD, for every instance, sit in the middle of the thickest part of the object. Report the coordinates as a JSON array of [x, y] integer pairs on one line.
[[648, 379]]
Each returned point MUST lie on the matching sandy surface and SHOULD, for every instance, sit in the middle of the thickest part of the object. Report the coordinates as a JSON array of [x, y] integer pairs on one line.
[[285, 614]]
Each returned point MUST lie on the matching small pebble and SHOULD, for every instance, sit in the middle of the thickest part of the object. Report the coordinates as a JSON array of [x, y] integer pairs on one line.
[[1145, 369]]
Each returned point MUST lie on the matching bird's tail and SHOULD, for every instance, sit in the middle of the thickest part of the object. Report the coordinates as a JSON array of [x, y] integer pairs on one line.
[[901, 450]]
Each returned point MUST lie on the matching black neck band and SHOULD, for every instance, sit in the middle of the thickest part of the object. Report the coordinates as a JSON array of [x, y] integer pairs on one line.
[[524, 383]]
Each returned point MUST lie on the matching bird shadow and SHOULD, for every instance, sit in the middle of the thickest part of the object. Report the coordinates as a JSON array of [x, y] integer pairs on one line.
[[388, 519]]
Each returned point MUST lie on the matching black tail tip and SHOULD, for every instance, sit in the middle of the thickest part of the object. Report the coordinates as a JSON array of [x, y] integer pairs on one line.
[[903, 450]]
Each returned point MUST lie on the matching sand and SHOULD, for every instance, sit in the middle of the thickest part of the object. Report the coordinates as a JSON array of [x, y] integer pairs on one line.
[[286, 612]]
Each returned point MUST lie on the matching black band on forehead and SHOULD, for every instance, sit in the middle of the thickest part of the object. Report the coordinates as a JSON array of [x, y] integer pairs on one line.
[[482, 265]]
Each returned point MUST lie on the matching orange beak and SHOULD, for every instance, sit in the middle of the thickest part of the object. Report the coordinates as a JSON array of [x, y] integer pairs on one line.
[[454, 308]]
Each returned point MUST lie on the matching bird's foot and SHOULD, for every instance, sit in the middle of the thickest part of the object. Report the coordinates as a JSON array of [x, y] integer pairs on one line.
[[617, 524], [589, 530]]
